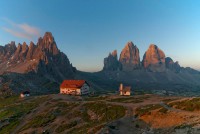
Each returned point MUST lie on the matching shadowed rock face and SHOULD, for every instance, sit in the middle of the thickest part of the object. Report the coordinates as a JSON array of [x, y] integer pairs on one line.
[[44, 59], [173, 66], [130, 57], [154, 59], [111, 62]]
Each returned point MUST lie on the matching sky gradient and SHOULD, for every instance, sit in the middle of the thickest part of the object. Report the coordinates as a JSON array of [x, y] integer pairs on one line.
[[87, 30]]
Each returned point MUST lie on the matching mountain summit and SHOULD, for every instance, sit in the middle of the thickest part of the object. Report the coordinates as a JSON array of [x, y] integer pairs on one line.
[[130, 57], [44, 58], [111, 62], [154, 59]]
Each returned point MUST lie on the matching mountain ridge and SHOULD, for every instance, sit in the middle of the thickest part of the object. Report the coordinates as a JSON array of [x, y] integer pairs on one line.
[[154, 60], [42, 67], [43, 58], [39, 68]]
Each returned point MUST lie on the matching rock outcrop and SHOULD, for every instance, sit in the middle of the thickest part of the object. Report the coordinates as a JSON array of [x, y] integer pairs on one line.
[[129, 57], [111, 62], [31, 51], [7, 51], [154, 59], [173, 66], [44, 59]]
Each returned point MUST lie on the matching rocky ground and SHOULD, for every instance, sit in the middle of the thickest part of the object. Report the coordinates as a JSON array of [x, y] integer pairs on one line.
[[113, 114]]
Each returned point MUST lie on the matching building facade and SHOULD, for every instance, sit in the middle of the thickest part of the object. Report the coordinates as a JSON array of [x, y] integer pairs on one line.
[[74, 87], [126, 91]]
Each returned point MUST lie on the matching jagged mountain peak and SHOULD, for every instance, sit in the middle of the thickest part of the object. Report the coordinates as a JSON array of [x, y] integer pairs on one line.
[[154, 59], [44, 58], [153, 46], [111, 62], [114, 53], [48, 37], [130, 45], [173, 66], [129, 57], [48, 44], [31, 44]]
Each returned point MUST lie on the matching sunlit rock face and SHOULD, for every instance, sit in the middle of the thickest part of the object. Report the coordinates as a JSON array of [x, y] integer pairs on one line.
[[130, 57], [154, 59], [43, 58]]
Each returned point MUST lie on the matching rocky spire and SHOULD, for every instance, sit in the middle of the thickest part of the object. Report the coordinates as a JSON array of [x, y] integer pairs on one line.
[[48, 44], [111, 62], [9, 50], [173, 66], [129, 57], [154, 59], [24, 51], [31, 50]]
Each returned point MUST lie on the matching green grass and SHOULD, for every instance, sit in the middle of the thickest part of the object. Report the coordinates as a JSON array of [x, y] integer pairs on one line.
[[163, 110], [183, 126], [17, 110], [14, 109], [84, 129], [9, 128], [104, 112], [188, 105], [58, 108], [129, 99], [147, 109], [4, 102], [63, 127], [40, 121], [168, 100], [65, 107], [99, 98]]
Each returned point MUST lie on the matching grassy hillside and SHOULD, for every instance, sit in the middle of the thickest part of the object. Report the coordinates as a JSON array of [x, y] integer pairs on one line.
[[112, 113], [55, 115]]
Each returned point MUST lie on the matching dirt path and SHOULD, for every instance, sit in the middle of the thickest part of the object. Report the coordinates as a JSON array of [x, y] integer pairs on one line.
[[170, 108], [128, 124]]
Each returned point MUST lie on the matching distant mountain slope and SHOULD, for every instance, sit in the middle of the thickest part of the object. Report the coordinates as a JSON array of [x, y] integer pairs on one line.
[[183, 83]]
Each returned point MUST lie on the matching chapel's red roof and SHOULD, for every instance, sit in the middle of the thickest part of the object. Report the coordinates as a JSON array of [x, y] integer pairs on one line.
[[72, 83]]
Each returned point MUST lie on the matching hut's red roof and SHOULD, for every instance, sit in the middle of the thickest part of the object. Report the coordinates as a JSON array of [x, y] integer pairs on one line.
[[72, 83]]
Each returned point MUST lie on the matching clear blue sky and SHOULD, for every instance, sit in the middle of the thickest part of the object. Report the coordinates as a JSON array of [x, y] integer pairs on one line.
[[87, 30]]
